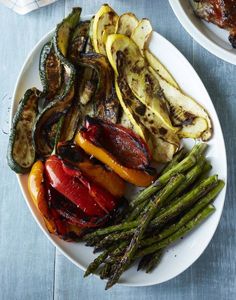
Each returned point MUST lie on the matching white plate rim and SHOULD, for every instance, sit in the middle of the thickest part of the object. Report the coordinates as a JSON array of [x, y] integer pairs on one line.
[[198, 36], [43, 40]]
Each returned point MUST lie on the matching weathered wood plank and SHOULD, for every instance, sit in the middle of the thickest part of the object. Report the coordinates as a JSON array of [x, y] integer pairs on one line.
[[26, 256]]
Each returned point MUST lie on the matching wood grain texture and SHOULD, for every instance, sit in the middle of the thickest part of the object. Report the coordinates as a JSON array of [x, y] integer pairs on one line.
[[30, 268]]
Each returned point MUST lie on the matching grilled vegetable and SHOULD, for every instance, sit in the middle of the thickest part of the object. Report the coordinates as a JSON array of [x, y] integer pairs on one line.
[[61, 103], [141, 34], [104, 23], [64, 29], [128, 114], [21, 154], [38, 194], [120, 149], [159, 68], [106, 104], [126, 24], [50, 116], [71, 122], [71, 214], [50, 71], [140, 80], [94, 171], [164, 141], [93, 200], [88, 81], [44, 200], [89, 47], [78, 41], [186, 112]]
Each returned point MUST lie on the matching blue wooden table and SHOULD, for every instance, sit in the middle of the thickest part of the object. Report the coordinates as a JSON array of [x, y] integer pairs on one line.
[[30, 267]]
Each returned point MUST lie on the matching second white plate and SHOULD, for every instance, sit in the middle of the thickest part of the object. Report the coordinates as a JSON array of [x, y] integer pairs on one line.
[[208, 35]]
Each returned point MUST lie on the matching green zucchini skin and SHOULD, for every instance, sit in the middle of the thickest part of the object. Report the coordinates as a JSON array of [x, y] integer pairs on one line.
[[54, 110], [62, 102], [50, 71], [78, 41], [21, 154], [106, 105]]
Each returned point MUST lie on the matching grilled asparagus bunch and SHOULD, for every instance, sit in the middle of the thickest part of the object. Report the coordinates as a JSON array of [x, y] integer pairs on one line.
[[178, 201]]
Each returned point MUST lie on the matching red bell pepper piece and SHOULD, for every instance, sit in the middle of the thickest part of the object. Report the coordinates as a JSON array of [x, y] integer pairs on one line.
[[127, 147], [103, 198], [88, 196], [62, 207]]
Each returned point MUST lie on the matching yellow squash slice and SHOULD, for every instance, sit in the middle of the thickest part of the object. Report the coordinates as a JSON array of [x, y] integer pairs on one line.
[[126, 24], [143, 84], [164, 143], [157, 66], [141, 34], [104, 23], [186, 112]]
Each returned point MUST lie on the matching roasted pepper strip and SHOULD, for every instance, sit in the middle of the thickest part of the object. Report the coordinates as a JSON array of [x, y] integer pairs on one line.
[[97, 173], [109, 180], [38, 194], [136, 177], [92, 199]]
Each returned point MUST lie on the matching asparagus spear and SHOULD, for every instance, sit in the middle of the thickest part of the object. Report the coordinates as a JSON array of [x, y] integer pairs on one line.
[[185, 201], [105, 271], [144, 261], [191, 176], [207, 167], [177, 158], [137, 210], [200, 217], [153, 261], [139, 232], [98, 261], [111, 238], [198, 149], [186, 217], [183, 166], [92, 242]]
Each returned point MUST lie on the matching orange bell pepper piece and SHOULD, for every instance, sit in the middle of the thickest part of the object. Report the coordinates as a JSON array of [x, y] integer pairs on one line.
[[134, 176], [107, 179], [38, 195]]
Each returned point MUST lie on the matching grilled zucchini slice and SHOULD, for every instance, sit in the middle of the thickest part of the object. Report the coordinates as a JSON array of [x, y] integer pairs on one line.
[[50, 71], [21, 154], [61, 103]]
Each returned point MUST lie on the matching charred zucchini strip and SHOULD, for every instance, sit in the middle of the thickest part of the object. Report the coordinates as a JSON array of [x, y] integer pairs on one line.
[[21, 154], [71, 122], [61, 103], [106, 104], [79, 41], [50, 71]]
